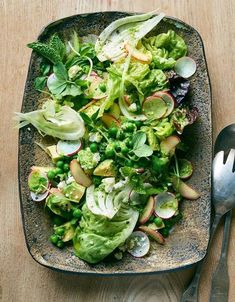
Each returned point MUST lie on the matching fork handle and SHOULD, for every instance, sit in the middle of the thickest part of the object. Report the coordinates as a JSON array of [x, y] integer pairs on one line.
[[220, 278], [191, 293]]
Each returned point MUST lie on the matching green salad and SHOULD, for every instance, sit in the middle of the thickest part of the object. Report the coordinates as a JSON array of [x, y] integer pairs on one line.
[[116, 106]]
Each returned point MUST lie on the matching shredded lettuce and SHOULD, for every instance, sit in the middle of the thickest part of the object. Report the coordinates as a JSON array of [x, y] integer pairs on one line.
[[110, 44], [64, 123]]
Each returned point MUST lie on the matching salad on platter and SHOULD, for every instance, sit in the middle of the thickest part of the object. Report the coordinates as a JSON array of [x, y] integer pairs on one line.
[[115, 107]]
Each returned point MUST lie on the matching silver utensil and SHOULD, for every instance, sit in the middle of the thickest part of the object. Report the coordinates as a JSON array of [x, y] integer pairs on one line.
[[220, 279], [223, 198]]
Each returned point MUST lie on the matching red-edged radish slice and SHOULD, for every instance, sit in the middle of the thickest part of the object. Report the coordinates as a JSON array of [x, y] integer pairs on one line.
[[109, 120], [185, 67], [169, 144], [39, 197], [153, 234], [127, 100], [185, 168], [184, 189], [78, 174], [154, 107], [68, 148], [148, 211], [138, 244], [168, 99], [166, 205], [38, 173]]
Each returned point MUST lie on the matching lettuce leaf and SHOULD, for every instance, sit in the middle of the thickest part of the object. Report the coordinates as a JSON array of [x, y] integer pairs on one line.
[[166, 48], [64, 123], [97, 236]]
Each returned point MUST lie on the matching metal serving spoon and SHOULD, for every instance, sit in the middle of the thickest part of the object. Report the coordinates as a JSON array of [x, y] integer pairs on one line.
[[220, 279], [223, 198]]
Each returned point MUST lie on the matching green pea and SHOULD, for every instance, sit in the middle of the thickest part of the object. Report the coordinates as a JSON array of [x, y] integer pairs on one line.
[[130, 127], [138, 124], [60, 231], [120, 135], [51, 174], [129, 143], [93, 147], [77, 213], [129, 163], [60, 164], [54, 239], [158, 221], [96, 180], [117, 147], [113, 131], [124, 150], [109, 153], [60, 244], [151, 219], [66, 167], [165, 232], [58, 171]]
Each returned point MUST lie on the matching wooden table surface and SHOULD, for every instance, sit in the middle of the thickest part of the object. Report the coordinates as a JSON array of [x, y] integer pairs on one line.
[[22, 279]]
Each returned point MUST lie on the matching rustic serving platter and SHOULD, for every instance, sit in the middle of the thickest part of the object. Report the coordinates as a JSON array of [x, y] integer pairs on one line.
[[188, 242]]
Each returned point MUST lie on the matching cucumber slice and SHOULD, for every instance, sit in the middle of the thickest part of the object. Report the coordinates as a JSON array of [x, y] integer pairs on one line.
[[185, 168], [154, 107]]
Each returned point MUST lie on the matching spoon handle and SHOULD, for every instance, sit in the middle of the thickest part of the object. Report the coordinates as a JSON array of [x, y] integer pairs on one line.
[[220, 278], [191, 293]]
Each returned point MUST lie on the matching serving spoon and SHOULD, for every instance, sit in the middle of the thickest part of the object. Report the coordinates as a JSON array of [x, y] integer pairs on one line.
[[223, 198], [220, 279]]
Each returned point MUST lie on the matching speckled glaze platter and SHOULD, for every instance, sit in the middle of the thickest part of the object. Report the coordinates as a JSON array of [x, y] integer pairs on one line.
[[188, 242]]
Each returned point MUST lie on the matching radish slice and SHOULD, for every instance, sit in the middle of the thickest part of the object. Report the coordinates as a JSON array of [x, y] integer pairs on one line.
[[68, 148], [154, 107], [153, 234], [51, 79], [138, 244], [185, 67], [148, 211], [166, 205], [168, 99], [39, 197]]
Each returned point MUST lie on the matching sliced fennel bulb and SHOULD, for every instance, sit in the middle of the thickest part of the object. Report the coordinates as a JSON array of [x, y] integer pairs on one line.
[[65, 124], [111, 42]]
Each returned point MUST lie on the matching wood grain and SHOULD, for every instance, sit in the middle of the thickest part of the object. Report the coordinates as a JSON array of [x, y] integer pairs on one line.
[[21, 279]]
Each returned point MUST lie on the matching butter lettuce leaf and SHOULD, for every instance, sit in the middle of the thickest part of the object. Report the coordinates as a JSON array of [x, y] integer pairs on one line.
[[166, 48], [97, 236]]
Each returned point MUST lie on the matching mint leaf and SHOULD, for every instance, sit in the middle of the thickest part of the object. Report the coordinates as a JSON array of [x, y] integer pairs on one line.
[[139, 139], [56, 86], [46, 51], [60, 71], [45, 68], [72, 89], [143, 151], [40, 83], [86, 118], [58, 45]]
